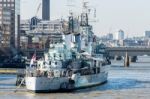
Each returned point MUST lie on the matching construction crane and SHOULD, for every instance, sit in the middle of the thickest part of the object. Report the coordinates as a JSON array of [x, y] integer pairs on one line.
[[38, 8]]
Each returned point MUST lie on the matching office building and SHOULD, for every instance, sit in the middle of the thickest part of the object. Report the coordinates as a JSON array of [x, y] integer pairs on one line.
[[46, 9], [50, 31], [5, 27], [41, 25], [10, 22], [110, 36], [147, 34], [120, 35], [0, 37]]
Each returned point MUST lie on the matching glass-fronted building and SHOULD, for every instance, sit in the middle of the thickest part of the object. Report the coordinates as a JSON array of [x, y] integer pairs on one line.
[[13, 7], [5, 23]]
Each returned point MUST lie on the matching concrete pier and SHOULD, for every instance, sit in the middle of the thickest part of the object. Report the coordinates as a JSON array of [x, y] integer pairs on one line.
[[126, 60]]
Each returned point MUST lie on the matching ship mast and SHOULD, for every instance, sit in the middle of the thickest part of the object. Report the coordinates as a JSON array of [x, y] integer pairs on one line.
[[84, 14]]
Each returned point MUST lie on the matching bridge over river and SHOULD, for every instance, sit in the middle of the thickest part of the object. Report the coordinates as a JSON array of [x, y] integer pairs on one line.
[[131, 51], [128, 52]]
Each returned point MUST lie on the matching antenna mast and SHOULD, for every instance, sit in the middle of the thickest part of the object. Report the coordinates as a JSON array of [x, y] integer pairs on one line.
[[70, 6], [88, 10], [84, 14]]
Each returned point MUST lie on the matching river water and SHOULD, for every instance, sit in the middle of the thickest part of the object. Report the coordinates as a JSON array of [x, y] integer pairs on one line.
[[123, 83]]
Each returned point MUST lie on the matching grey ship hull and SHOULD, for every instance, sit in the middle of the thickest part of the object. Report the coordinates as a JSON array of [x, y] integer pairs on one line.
[[44, 84]]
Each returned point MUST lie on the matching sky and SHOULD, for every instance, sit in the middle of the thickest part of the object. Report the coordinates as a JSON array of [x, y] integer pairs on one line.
[[132, 16]]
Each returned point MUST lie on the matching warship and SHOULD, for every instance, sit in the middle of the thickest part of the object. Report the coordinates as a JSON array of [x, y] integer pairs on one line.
[[77, 61]]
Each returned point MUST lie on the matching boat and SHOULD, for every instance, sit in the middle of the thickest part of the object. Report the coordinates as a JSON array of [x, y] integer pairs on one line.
[[78, 61]]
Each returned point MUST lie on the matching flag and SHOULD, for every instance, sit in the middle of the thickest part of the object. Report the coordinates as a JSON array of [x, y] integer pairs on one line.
[[33, 59]]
